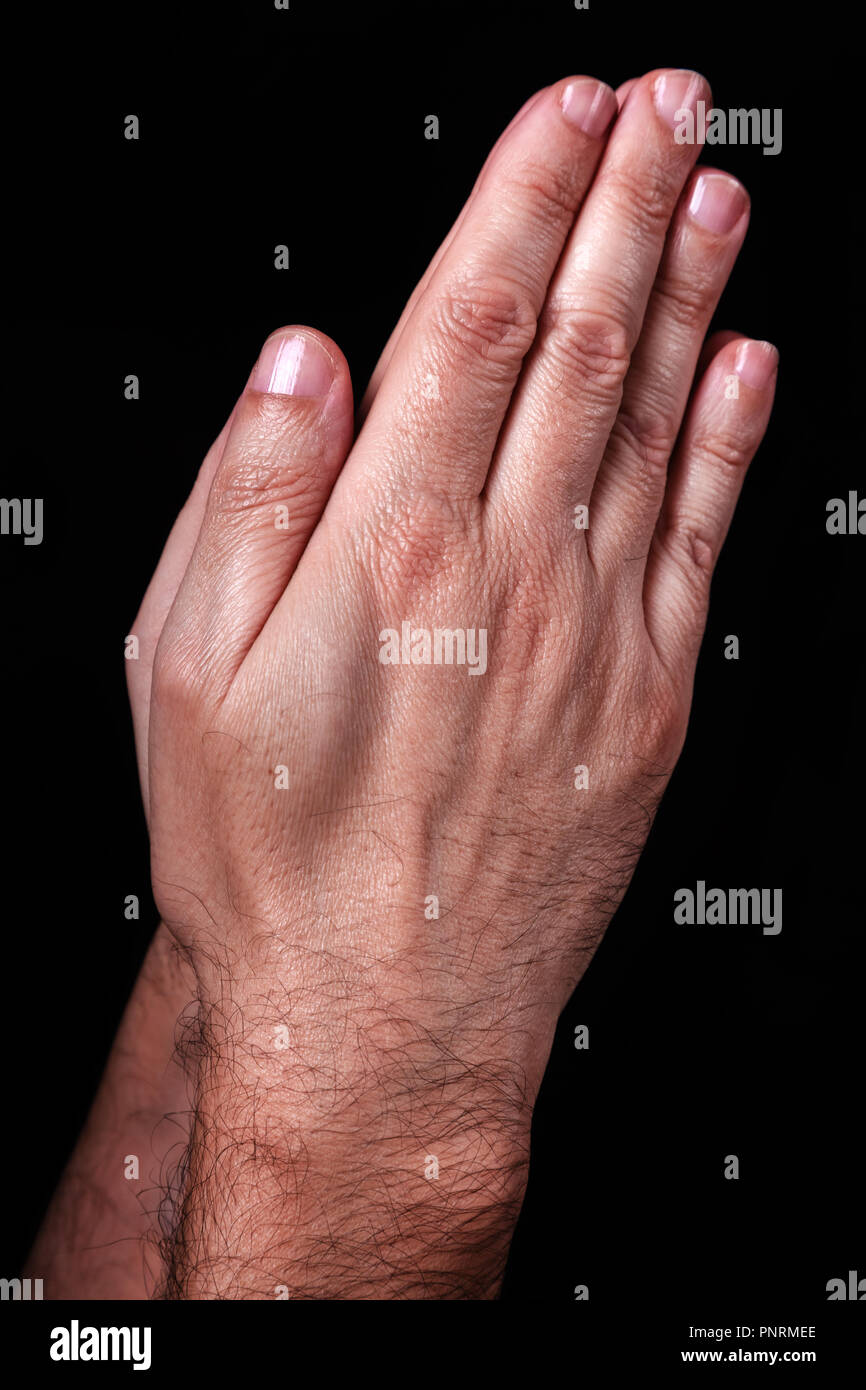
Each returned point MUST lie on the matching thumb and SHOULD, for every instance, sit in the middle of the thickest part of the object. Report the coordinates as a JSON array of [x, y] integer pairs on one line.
[[289, 436]]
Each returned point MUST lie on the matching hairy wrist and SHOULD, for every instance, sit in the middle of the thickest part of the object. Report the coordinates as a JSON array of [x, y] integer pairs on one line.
[[368, 1170]]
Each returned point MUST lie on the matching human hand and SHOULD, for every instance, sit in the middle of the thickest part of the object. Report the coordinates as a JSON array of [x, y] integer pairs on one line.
[[312, 808]]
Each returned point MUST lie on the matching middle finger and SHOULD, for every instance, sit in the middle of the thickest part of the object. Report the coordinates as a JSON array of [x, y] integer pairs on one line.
[[567, 399]]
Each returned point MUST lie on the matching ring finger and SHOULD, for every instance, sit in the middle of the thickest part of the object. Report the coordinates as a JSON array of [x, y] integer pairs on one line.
[[705, 238]]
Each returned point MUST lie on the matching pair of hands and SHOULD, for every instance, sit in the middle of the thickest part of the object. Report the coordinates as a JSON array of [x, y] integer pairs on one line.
[[384, 880]]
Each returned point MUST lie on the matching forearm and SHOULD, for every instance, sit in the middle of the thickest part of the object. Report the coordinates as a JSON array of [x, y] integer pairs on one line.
[[100, 1236], [389, 1172]]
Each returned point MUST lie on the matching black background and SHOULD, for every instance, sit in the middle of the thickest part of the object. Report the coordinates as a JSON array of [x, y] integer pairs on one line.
[[155, 257]]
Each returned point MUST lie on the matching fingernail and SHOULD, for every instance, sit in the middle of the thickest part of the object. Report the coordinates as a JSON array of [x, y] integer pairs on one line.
[[717, 203], [676, 92], [293, 365], [590, 105], [756, 364]]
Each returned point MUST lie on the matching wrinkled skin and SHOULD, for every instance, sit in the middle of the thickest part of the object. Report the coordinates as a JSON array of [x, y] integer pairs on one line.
[[307, 803], [525, 382]]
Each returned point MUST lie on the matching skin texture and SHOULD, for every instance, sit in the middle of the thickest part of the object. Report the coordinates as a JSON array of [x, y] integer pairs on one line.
[[306, 801]]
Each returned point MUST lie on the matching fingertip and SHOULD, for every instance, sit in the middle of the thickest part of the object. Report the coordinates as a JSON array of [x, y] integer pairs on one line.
[[297, 361], [756, 363], [717, 201], [588, 104]]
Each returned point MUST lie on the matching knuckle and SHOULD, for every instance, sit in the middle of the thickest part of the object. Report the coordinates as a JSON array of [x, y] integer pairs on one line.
[[244, 487], [658, 725], [693, 545], [646, 716], [687, 300], [647, 434], [724, 451], [486, 320], [534, 627], [644, 196], [408, 547], [549, 191], [589, 344], [258, 478]]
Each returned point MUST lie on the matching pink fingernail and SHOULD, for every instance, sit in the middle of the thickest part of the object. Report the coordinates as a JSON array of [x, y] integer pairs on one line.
[[677, 92], [293, 365], [590, 105], [717, 202], [756, 363]]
